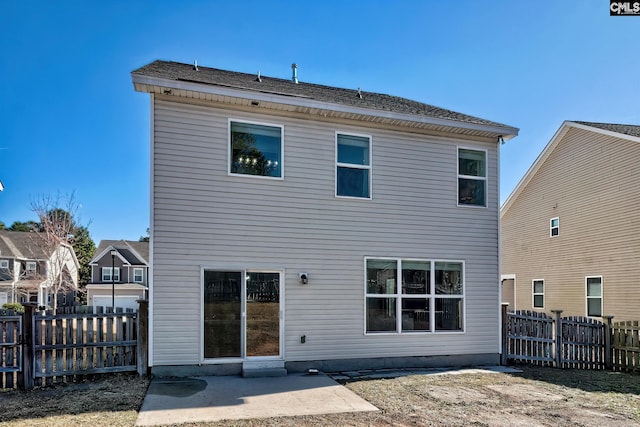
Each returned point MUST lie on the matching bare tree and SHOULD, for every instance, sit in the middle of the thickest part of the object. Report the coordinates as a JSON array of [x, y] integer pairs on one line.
[[55, 237]]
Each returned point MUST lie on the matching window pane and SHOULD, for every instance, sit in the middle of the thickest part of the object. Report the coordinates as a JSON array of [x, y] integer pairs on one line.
[[471, 192], [381, 276], [555, 231], [471, 163], [353, 149], [415, 314], [256, 149], [538, 287], [554, 222], [352, 182], [222, 314], [448, 314], [593, 307], [594, 287], [381, 314], [263, 314], [448, 278], [415, 277], [538, 301]]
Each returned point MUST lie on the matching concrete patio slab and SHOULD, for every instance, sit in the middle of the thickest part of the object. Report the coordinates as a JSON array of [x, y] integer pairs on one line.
[[201, 399]]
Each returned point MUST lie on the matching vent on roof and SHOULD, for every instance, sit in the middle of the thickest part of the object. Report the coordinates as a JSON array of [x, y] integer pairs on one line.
[[359, 94], [195, 65], [258, 79], [294, 69]]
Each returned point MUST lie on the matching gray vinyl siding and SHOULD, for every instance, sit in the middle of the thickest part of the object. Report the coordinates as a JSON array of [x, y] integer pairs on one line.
[[205, 218], [590, 182]]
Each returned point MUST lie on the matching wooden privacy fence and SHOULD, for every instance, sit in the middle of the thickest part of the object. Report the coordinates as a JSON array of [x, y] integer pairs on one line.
[[41, 348], [570, 342]]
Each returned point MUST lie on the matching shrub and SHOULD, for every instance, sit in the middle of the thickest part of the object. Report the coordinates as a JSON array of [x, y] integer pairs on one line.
[[14, 306]]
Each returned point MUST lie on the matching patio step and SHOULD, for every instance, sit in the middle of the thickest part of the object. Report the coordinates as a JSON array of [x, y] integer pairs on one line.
[[271, 368]]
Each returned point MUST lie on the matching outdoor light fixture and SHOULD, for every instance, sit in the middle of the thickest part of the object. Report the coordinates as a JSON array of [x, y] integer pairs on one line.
[[113, 280]]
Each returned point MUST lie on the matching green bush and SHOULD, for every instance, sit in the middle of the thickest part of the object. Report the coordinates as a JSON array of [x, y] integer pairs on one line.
[[14, 306]]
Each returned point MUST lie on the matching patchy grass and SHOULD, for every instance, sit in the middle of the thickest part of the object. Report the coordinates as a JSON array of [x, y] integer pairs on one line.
[[534, 397]]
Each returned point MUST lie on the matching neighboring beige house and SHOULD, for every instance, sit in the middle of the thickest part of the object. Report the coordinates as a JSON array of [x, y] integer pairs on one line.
[[570, 231], [28, 270], [297, 225], [128, 260]]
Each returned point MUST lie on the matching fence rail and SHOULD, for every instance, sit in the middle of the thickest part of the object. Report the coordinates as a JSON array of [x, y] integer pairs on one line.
[[625, 344]]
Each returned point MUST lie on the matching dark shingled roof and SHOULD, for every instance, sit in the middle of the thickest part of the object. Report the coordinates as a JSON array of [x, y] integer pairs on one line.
[[21, 244], [283, 87], [124, 248], [631, 130]]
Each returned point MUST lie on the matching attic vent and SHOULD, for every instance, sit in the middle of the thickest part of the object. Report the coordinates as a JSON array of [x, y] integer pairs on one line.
[[258, 79], [195, 65], [359, 94], [294, 69]]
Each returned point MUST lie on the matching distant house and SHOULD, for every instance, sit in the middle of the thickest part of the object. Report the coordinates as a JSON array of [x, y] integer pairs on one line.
[[570, 230], [128, 262], [297, 225], [28, 270]]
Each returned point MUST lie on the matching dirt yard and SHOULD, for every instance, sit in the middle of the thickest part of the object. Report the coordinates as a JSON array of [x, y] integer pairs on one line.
[[534, 397]]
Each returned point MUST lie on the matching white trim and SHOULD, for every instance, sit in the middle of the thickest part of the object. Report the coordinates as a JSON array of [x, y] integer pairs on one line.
[[368, 167], [105, 252], [431, 296], [151, 225], [484, 178], [230, 154], [586, 295], [507, 132], [533, 294], [551, 227]]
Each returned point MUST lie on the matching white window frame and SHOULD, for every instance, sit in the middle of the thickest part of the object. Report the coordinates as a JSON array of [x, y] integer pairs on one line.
[[4, 263], [108, 269], [31, 266], [556, 227], [534, 293], [141, 270], [368, 167], [230, 149], [431, 296], [485, 178], [587, 297]]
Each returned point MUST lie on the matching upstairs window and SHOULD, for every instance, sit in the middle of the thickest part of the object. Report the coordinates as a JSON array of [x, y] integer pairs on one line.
[[472, 177], [353, 166], [106, 274], [255, 149], [4, 263], [538, 293], [554, 227], [137, 275], [594, 296], [31, 267]]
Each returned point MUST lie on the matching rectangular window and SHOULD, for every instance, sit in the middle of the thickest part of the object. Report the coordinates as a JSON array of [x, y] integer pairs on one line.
[[353, 166], [138, 275], [594, 296], [400, 297], [4, 263], [31, 266], [538, 293], [472, 177], [255, 149], [555, 226], [106, 274]]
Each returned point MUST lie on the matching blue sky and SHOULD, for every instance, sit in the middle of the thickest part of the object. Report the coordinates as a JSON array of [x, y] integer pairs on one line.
[[70, 120]]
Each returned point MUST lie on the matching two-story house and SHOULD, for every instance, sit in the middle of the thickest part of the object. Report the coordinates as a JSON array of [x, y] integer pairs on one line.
[[119, 274], [30, 270], [296, 226], [570, 230]]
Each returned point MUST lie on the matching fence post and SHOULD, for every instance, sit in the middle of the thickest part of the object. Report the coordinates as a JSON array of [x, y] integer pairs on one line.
[[143, 337], [505, 335], [558, 355], [25, 377], [608, 349]]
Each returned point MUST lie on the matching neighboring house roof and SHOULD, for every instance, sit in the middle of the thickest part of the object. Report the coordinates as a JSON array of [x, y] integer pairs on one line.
[[131, 252], [221, 85], [21, 245], [629, 132]]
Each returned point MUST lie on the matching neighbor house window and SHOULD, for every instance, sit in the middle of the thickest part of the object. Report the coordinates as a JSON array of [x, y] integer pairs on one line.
[[31, 266], [255, 149], [538, 293], [405, 296], [4, 263], [472, 177], [353, 166], [555, 226], [594, 296], [106, 274], [137, 275]]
